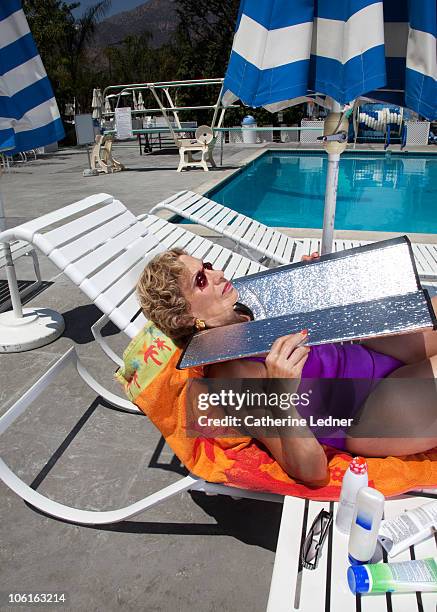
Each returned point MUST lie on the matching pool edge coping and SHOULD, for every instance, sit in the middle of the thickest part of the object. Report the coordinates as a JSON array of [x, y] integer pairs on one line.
[[308, 232]]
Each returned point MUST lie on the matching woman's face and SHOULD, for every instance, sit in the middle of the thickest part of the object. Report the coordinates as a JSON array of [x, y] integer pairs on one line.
[[210, 294]]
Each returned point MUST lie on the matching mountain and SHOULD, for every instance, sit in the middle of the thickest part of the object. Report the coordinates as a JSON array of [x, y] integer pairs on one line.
[[116, 7], [157, 16]]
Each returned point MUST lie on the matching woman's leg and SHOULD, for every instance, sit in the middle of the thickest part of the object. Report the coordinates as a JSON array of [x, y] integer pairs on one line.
[[409, 348], [405, 404]]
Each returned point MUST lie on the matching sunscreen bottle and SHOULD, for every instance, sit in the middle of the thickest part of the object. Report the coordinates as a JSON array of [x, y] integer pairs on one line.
[[411, 527], [403, 577], [368, 513], [354, 479]]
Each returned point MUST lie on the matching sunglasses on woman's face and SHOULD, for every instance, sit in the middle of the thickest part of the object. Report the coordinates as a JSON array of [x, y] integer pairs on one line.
[[201, 281]]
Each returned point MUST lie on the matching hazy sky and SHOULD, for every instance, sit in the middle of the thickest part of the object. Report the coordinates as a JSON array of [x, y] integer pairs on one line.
[[116, 7]]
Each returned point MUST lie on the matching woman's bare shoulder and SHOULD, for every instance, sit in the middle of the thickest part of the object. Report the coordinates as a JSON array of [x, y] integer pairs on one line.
[[237, 368]]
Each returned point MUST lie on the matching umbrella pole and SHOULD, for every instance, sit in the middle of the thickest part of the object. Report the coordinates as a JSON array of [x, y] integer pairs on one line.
[[330, 203], [10, 269], [335, 139], [22, 330]]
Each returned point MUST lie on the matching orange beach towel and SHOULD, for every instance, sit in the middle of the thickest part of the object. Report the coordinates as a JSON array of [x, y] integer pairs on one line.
[[161, 393]]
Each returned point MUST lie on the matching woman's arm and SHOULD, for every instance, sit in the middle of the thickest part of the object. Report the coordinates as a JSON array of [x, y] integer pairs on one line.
[[297, 451], [303, 458]]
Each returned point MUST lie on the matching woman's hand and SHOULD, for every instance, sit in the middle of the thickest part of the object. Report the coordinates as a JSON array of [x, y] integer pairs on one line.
[[311, 257], [286, 358]]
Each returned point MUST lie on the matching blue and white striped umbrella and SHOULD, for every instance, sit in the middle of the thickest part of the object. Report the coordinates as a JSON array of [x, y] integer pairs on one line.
[[28, 111], [344, 49], [29, 118], [288, 51]]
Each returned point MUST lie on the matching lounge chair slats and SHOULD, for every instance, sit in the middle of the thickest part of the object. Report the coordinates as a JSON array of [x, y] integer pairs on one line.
[[254, 267], [288, 251], [239, 229], [215, 214], [302, 248], [226, 220], [101, 235], [426, 256], [30, 228], [277, 247], [222, 260], [105, 253], [184, 198], [196, 204], [242, 268], [214, 255], [201, 250], [118, 267], [68, 231], [273, 244], [110, 298]]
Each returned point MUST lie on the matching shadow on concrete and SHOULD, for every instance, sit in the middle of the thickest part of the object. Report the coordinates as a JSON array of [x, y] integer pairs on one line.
[[78, 322], [174, 466], [63, 446], [161, 168], [150, 169], [250, 521]]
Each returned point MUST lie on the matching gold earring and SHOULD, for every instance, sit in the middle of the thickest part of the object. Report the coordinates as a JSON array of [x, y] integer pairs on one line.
[[199, 324]]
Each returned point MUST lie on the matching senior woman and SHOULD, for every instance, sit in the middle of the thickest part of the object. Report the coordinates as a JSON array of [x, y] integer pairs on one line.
[[180, 294]]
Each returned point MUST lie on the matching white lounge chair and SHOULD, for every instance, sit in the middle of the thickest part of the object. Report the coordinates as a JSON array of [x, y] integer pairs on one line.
[[102, 247], [266, 241]]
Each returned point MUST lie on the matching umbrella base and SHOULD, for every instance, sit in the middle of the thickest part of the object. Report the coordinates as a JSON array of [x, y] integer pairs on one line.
[[37, 327]]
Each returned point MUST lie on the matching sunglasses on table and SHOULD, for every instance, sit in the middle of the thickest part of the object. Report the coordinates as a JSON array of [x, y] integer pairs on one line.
[[312, 547], [201, 281]]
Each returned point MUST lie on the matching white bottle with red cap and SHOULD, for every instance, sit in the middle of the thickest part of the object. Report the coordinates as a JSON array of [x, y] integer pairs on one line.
[[354, 479]]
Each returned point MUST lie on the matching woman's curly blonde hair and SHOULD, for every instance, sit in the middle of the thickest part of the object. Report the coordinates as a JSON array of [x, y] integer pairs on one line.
[[160, 295]]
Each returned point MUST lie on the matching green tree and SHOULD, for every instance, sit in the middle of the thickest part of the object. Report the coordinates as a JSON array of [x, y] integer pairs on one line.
[[62, 43], [78, 34], [131, 61], [205, 36]]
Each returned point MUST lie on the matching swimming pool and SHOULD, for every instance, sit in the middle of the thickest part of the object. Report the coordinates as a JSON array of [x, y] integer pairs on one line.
[[395, 193]]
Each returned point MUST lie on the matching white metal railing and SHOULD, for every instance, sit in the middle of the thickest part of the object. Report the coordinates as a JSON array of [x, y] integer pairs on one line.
[[169, 106]]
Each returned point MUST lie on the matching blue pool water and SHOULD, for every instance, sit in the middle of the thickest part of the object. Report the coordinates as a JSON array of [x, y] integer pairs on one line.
[[287, 189]]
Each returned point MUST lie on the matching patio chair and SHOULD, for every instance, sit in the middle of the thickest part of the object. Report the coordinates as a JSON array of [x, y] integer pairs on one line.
[[204, 144], [267, 242], [101, 156], [102, 247]]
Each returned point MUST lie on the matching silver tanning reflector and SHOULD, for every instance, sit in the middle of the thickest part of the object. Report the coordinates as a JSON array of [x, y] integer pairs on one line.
[[359, 293]]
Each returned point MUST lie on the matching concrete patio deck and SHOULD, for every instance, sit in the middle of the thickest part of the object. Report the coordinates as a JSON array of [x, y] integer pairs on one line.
[[193, 552]]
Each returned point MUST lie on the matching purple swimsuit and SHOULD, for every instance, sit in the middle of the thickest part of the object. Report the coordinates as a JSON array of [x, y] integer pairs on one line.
[[341, 361]]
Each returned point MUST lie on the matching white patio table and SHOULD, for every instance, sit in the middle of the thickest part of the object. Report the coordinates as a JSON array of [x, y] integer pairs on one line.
[[326, 588]]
